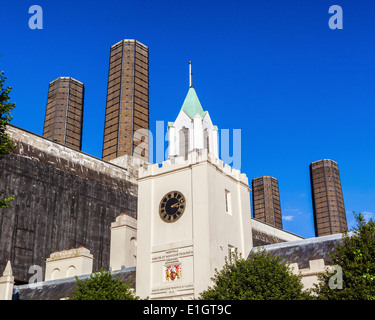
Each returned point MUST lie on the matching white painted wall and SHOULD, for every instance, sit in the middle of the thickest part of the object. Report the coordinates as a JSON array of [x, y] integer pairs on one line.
[[123, 242], [68, 263], [199, 240]]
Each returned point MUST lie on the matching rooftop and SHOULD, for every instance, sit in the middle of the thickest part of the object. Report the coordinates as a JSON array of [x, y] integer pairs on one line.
[[61, 288], [302, 251]]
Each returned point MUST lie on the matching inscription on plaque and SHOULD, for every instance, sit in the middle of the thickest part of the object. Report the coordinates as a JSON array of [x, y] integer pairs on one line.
[[172, 255], [172, 289]]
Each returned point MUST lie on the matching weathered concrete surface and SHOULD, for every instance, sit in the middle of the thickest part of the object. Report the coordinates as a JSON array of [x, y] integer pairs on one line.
[[63, 199]]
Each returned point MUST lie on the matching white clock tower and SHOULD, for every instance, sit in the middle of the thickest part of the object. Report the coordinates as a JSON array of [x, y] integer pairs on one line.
[[193, 211]]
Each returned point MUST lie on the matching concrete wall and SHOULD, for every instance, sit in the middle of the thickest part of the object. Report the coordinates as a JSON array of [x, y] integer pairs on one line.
[[264, 234], [63, 199]]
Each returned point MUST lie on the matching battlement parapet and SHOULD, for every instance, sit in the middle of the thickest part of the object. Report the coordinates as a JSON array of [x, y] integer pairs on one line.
[[66, 254], [125, 219], [194, 158], [316, 266], [310, 274]]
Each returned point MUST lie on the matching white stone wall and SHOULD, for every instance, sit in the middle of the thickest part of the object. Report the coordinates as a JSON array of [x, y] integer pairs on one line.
[[123, 242], [310, 275], [68, 263], [200, 240]]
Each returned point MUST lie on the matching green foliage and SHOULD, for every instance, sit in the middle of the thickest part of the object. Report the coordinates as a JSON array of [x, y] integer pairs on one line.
[[4, 202], [356, 257], [260, 277], [102, 286], [5, 117]]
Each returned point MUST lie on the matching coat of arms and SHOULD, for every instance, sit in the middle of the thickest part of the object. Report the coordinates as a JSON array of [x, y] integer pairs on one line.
[[173, 272]]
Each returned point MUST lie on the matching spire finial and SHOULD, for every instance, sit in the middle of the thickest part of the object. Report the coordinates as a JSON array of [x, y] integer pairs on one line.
[[8, 270], [190, 76]]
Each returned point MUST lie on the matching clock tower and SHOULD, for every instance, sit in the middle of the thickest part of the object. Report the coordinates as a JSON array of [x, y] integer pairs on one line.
[[193, 210]]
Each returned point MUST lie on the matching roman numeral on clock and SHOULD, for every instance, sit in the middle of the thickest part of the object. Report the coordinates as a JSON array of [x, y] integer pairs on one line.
[[172, 206]]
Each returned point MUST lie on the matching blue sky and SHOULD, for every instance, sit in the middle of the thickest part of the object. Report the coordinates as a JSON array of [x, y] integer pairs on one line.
[[299, 91]]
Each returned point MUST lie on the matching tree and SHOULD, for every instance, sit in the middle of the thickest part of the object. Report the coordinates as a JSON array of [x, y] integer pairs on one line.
[[356, 258], [102, 286], [260, 277], [5, 142]]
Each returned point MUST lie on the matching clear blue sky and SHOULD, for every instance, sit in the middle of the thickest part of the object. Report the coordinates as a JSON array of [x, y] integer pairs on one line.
[[299, 91]]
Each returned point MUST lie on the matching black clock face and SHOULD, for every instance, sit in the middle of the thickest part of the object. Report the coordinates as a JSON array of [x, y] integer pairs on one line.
[[172, 206]]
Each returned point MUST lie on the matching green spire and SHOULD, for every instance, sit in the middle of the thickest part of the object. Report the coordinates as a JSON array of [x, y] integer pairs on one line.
[[192, 105]]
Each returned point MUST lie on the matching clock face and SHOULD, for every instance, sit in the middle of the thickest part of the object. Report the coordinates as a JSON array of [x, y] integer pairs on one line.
[[172, 206]]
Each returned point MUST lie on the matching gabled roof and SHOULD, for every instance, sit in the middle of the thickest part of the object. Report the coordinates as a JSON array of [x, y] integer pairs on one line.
[[192, 105]]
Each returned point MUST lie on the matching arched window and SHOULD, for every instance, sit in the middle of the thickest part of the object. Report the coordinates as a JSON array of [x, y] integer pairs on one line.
[[71, 272], [133, 250], [55, 274], [184, 142], [206, 140]]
